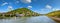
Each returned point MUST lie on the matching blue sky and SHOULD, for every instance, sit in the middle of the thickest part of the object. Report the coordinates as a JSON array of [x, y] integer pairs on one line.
[[39, 6]]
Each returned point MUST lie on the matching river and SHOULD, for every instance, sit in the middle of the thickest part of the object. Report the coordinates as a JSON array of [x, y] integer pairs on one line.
[[38, 19]]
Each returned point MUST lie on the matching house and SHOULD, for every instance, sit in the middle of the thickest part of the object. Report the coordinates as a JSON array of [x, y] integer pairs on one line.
[[19, 15]]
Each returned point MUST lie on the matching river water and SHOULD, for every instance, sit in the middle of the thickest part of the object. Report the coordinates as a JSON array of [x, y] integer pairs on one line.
[[38, 19]]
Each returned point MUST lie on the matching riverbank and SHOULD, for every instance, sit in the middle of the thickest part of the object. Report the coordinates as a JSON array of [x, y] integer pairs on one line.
[[4, 17], [56, 19], [36, 19]]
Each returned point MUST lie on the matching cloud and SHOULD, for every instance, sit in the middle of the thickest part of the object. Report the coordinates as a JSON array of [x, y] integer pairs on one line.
[[10, 7], [26, 1], [5, 3], [48, 6], [43, 9], [17, 2], [29, 7], [35, 11], [55, 9]]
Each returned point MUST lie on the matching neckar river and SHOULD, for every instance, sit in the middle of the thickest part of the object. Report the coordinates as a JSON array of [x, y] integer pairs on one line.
[[38, 19]]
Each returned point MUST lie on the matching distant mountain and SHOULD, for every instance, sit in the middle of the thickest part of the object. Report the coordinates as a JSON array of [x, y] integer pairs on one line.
[[25, 11], [54, 13]]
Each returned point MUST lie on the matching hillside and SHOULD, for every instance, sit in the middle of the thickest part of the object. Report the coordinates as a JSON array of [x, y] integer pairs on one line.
[[54, 13], [25, 11]]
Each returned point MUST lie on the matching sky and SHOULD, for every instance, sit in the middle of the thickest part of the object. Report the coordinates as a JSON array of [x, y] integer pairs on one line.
[[39, 6]]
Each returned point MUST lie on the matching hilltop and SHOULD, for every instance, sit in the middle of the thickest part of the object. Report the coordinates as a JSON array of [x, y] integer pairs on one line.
[[25, 11]]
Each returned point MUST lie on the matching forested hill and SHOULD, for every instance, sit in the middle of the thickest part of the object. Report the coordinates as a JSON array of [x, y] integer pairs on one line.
[[54, 13], [24, 11]]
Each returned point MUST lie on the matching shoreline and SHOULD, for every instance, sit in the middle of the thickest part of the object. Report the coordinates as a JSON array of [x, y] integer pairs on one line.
[[56, 19]]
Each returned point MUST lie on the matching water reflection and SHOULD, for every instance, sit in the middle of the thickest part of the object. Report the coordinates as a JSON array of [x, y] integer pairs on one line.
[[39, 19]]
